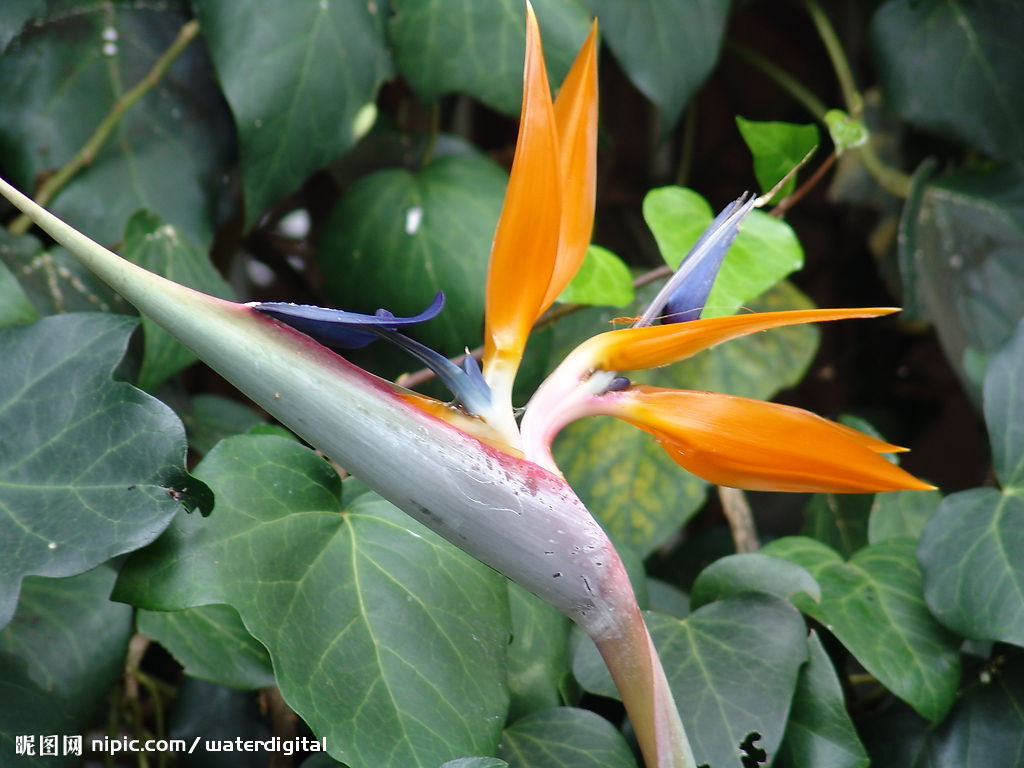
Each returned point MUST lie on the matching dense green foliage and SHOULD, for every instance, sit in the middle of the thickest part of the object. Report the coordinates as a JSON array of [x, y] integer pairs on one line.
[[354, 153]]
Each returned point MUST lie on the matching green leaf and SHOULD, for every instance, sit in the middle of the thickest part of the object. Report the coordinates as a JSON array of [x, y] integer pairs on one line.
[[475, 762], [960, 251], [163, 249], [296, 75], [901, 514], [54, 281], [732, 666], [89, 468], [974, 575], [211, 418], [874, 604], [845, 132], [1004, 410], [212, 644], [441, 46], [839, 520], [985, 727], [820, 732], [62, 652], [956, 69], [666, 598], [168, 153], [15, 308], [777, 149], [16, 14], [565, 738], [603, 278], [412, 631], [764, 252], [397, 238], [666, 48], [751, 572], [538, 655], [637, 492]]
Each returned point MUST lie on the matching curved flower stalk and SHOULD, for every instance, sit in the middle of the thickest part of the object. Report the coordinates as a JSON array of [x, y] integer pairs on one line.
[[468, 470]]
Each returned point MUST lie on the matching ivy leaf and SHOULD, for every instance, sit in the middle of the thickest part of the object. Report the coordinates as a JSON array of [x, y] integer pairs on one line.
[[538, 654], [397, 238], [984, 728], [475, 762], [297, 76], [901, 514], [603, 279], [207, 711], [777, 149], [15, 308], [16, 14], [90, 468], [732, 666], [59, 656], [211, 418], [752, 572], [820, 732], [1004, 410], [874, 604], [162, 249], [959, 250], [212, 644], [625, 478], [666, 48], [565, 738], [845, 132], [411, 629], [955, 69], [169, 152], [764, 252], [442, 46]]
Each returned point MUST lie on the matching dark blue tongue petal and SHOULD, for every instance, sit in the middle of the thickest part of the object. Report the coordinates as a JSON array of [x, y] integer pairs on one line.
[[683, 297], [349, 330], [340, 329]]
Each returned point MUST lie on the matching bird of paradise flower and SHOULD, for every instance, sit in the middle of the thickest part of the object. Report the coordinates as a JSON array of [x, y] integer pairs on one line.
[[469, 469]]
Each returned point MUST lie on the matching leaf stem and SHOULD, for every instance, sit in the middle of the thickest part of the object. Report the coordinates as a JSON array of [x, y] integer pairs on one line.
[[840, 64], [782, 78], [88, 151]]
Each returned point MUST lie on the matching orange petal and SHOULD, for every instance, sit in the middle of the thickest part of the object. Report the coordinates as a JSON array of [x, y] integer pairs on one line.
[[630, 349], [576, 120], [759, 446], [526, 241]]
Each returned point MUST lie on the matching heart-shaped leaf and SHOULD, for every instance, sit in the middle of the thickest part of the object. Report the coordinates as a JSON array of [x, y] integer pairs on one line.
[[296, 75], [874, 604], [764, 252], [565, 738], [89, 468], [751, 572], [732, 667], [387, 640], [666, 48], [820, 732], [603, 278], [777, 149], [443, 46], [538, 654], [397, 238], [955, 68]]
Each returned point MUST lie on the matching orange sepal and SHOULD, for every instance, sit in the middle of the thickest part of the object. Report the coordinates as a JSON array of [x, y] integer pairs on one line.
[[526, 240], [630, 349], [576, 121], [759, 446], [460, 420]]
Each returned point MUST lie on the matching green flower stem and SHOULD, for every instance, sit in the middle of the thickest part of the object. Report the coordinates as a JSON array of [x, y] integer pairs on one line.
[[782, 78], [841, 65], [85, 156]]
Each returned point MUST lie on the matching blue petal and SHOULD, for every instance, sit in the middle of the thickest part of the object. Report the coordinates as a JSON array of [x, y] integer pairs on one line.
[[683, 297], [340, 329]]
